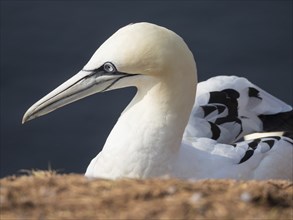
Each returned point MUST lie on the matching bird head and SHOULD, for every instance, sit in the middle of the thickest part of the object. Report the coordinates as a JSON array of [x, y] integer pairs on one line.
[[134, 54]]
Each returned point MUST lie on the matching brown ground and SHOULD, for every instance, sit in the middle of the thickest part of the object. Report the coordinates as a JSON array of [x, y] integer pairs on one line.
[[46, 195]]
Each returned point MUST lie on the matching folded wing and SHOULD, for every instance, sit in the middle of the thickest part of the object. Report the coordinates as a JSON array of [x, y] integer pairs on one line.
[[228, 107]]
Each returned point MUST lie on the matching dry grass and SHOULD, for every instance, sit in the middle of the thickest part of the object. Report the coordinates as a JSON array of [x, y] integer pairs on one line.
[[47, 195]]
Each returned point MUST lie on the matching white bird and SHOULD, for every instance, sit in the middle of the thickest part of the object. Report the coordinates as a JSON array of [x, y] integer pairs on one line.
[[165, 131]]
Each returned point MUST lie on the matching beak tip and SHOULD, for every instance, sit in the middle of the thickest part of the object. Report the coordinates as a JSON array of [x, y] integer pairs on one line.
[[26, 118]]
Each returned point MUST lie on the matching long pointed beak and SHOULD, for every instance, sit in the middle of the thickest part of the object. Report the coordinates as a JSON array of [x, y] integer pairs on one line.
[[82, 84]]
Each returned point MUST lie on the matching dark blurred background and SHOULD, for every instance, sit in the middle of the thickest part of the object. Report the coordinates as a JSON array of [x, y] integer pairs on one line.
[[45, 43]]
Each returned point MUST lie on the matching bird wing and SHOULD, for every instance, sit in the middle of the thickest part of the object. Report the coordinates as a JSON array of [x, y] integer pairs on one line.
[[226, 109], [229, 107], [261, 158]]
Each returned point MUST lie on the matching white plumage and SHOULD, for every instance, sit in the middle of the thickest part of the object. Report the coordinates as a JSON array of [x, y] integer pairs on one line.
[[162, 132]]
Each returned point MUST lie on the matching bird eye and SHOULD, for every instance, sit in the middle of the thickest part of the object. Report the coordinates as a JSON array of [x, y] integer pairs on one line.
[[109, 67]]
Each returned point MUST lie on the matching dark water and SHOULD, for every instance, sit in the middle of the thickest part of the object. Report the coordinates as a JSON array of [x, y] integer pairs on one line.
[[44, 43]]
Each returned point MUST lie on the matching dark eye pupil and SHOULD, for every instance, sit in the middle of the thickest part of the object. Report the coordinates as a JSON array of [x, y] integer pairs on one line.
[[109, 67]]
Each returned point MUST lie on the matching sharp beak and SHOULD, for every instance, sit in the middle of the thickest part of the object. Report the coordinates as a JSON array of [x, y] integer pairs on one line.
[[84, 83]]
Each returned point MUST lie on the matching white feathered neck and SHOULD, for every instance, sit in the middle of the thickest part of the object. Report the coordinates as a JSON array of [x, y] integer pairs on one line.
[[149, 132]]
